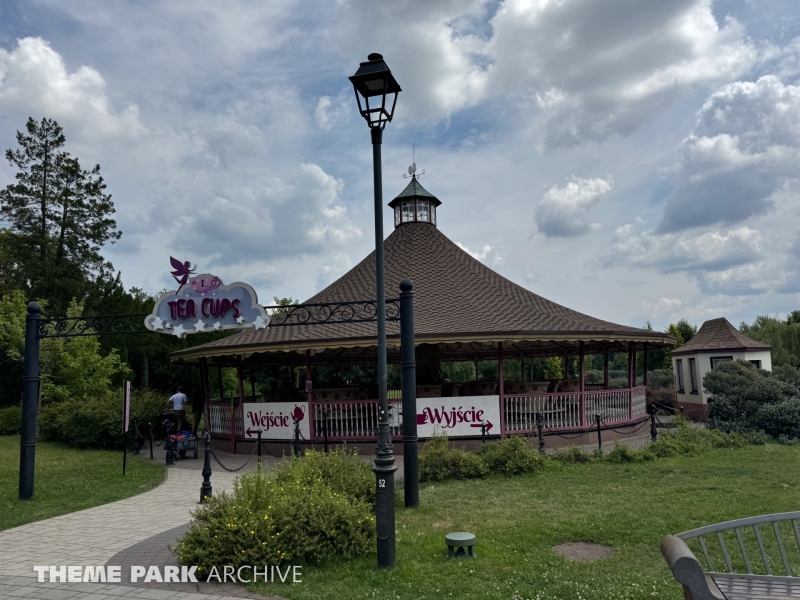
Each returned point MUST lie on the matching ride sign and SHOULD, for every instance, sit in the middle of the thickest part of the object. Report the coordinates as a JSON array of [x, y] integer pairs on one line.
[[275, 420], [202, 303], [461, 416]]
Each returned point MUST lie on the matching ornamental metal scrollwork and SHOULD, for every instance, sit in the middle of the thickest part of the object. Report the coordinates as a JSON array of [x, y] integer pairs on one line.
[[362, 311], [62, 327]]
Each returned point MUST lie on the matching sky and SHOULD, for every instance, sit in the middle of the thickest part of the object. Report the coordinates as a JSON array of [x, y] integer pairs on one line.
[[636, 161]]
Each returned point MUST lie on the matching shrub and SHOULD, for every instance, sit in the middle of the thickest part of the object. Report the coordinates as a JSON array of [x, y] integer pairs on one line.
[[730, 377], [343, 470], [661, 379], [10, 420], [625, 454], [510, 456], [96, 422], [573, 454], [687, 440], [438, 461], [264, 521]]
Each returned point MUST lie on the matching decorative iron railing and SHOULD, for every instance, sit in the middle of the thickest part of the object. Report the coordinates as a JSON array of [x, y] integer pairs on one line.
[[361, 311]]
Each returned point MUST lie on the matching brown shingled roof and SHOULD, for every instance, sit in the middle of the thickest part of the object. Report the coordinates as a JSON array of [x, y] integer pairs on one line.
[[458, 301], [719, 334]]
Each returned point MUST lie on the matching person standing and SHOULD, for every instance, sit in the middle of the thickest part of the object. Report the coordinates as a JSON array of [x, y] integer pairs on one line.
[[179, 407], [198, 404]]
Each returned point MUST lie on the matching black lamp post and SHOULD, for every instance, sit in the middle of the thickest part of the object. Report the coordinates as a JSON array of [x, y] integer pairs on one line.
[[372, 83]]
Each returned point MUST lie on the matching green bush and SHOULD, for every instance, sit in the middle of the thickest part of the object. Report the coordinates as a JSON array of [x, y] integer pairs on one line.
[[343, 470], [687, 440], [96, 422], [623, 453], [510, 456], [10, 420], [572, 455], [270, 519], [437, 461]]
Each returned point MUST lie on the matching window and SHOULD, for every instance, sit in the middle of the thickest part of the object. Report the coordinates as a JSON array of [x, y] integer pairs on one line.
[[679, 368], [408, 211], [756, 363], [717, 361], [422, 210], [396, 216], [433, 214], [693, 374]]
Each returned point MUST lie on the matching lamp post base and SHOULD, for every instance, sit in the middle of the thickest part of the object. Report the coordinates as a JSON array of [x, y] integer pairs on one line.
[[384, 469]]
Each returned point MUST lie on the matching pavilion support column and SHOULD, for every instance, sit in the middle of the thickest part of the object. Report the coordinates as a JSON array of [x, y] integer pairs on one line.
[[240, 377], [310, 396], [581, 360], [606, 358], [631, 376], [253, 383], [644, 365], [219, 380], [500, 388], [204, 387]]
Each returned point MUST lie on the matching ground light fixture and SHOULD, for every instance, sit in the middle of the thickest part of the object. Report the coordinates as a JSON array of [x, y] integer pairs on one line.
[[372, 83]]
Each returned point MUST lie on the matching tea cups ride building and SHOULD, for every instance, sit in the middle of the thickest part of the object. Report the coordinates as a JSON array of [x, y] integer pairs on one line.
[[463, 312]]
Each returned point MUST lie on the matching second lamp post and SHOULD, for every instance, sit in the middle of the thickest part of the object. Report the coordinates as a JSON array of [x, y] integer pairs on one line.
[[373, 82]]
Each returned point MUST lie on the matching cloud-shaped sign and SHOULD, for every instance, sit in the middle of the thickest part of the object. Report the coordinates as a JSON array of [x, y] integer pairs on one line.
[[204, 304]]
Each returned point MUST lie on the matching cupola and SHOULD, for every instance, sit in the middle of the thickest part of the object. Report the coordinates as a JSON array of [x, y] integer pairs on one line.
[[414, 204]]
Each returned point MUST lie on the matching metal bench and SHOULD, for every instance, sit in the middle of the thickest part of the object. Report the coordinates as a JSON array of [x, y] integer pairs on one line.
[[755, 562]]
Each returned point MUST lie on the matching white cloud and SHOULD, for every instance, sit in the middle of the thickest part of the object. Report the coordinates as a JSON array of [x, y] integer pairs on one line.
[[562, 211], [487, 254], [743, 149], [34, 81], [661, 306], [331, 111]]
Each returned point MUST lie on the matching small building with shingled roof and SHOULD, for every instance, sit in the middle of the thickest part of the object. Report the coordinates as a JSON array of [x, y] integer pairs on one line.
[[716, 343]]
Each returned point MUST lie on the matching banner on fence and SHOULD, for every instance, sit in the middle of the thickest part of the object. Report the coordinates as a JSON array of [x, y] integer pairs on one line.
[[460, 416], [276, 420]]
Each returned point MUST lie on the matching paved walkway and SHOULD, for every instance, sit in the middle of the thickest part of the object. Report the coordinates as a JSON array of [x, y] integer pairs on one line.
[[140, 528]]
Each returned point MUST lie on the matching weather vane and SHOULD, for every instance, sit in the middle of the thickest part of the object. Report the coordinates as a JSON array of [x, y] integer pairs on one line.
[[412, 170]]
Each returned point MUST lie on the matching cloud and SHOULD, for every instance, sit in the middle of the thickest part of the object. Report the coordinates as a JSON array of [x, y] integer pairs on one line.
[[298, 214], [562, 211], [487, 254], [331, 111], [34, 81], [744, 147], [590, 69], [672, 253], [661, 306]]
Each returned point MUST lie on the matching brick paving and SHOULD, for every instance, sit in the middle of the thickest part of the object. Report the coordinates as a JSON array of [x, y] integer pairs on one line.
[[137, 530]]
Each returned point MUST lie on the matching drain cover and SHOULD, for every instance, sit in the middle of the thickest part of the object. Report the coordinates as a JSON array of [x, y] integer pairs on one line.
[[583, 551]]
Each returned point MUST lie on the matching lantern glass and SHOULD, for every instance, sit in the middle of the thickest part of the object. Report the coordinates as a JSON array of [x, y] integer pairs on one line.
[[422, 210], [408, 211]]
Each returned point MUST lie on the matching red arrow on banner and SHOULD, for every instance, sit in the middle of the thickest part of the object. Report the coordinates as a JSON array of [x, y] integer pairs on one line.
[[479, 425]]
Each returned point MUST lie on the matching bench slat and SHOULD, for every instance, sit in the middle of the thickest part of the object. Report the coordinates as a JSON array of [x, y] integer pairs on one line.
[[782, 549], [705, 553], [725, 552], [764, 556], [744, 551]]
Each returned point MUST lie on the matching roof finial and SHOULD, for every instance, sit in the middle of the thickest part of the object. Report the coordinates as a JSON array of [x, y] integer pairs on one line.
[[412, 170]]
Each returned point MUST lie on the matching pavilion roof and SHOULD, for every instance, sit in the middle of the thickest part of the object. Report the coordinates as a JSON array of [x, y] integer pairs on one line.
[[719, 335], [460, 304]]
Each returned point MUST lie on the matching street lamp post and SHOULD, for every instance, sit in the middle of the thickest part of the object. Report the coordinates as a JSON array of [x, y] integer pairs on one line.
[[372, 82]]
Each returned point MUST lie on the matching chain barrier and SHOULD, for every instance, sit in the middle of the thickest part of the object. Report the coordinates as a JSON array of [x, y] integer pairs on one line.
[[608, 425], [564, 437], [249, 458]]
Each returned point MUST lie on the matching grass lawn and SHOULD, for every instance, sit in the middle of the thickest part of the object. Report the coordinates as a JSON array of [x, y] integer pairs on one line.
[[518, 520], [67, 480]]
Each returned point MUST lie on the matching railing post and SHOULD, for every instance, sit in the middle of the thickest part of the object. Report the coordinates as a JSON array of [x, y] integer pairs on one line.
[[653, 432], [259, 446], [205, 489], [540, 435], [30, 398], [325, 426], [150, 428], [500, 389], [408, 366], [296, 445], [582, 384]]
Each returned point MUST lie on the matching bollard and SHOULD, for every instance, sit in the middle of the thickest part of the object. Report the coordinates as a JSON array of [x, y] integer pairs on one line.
[[540, 435], [599, 437], [483, 432], [681, 409], [205, 489], [259, 446], [296, 445], [652, 409], [170, 452], [150, 428], [137, 437], [325, 428]]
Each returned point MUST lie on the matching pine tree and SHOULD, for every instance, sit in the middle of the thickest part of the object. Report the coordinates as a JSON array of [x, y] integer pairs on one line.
[[59, 216]]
